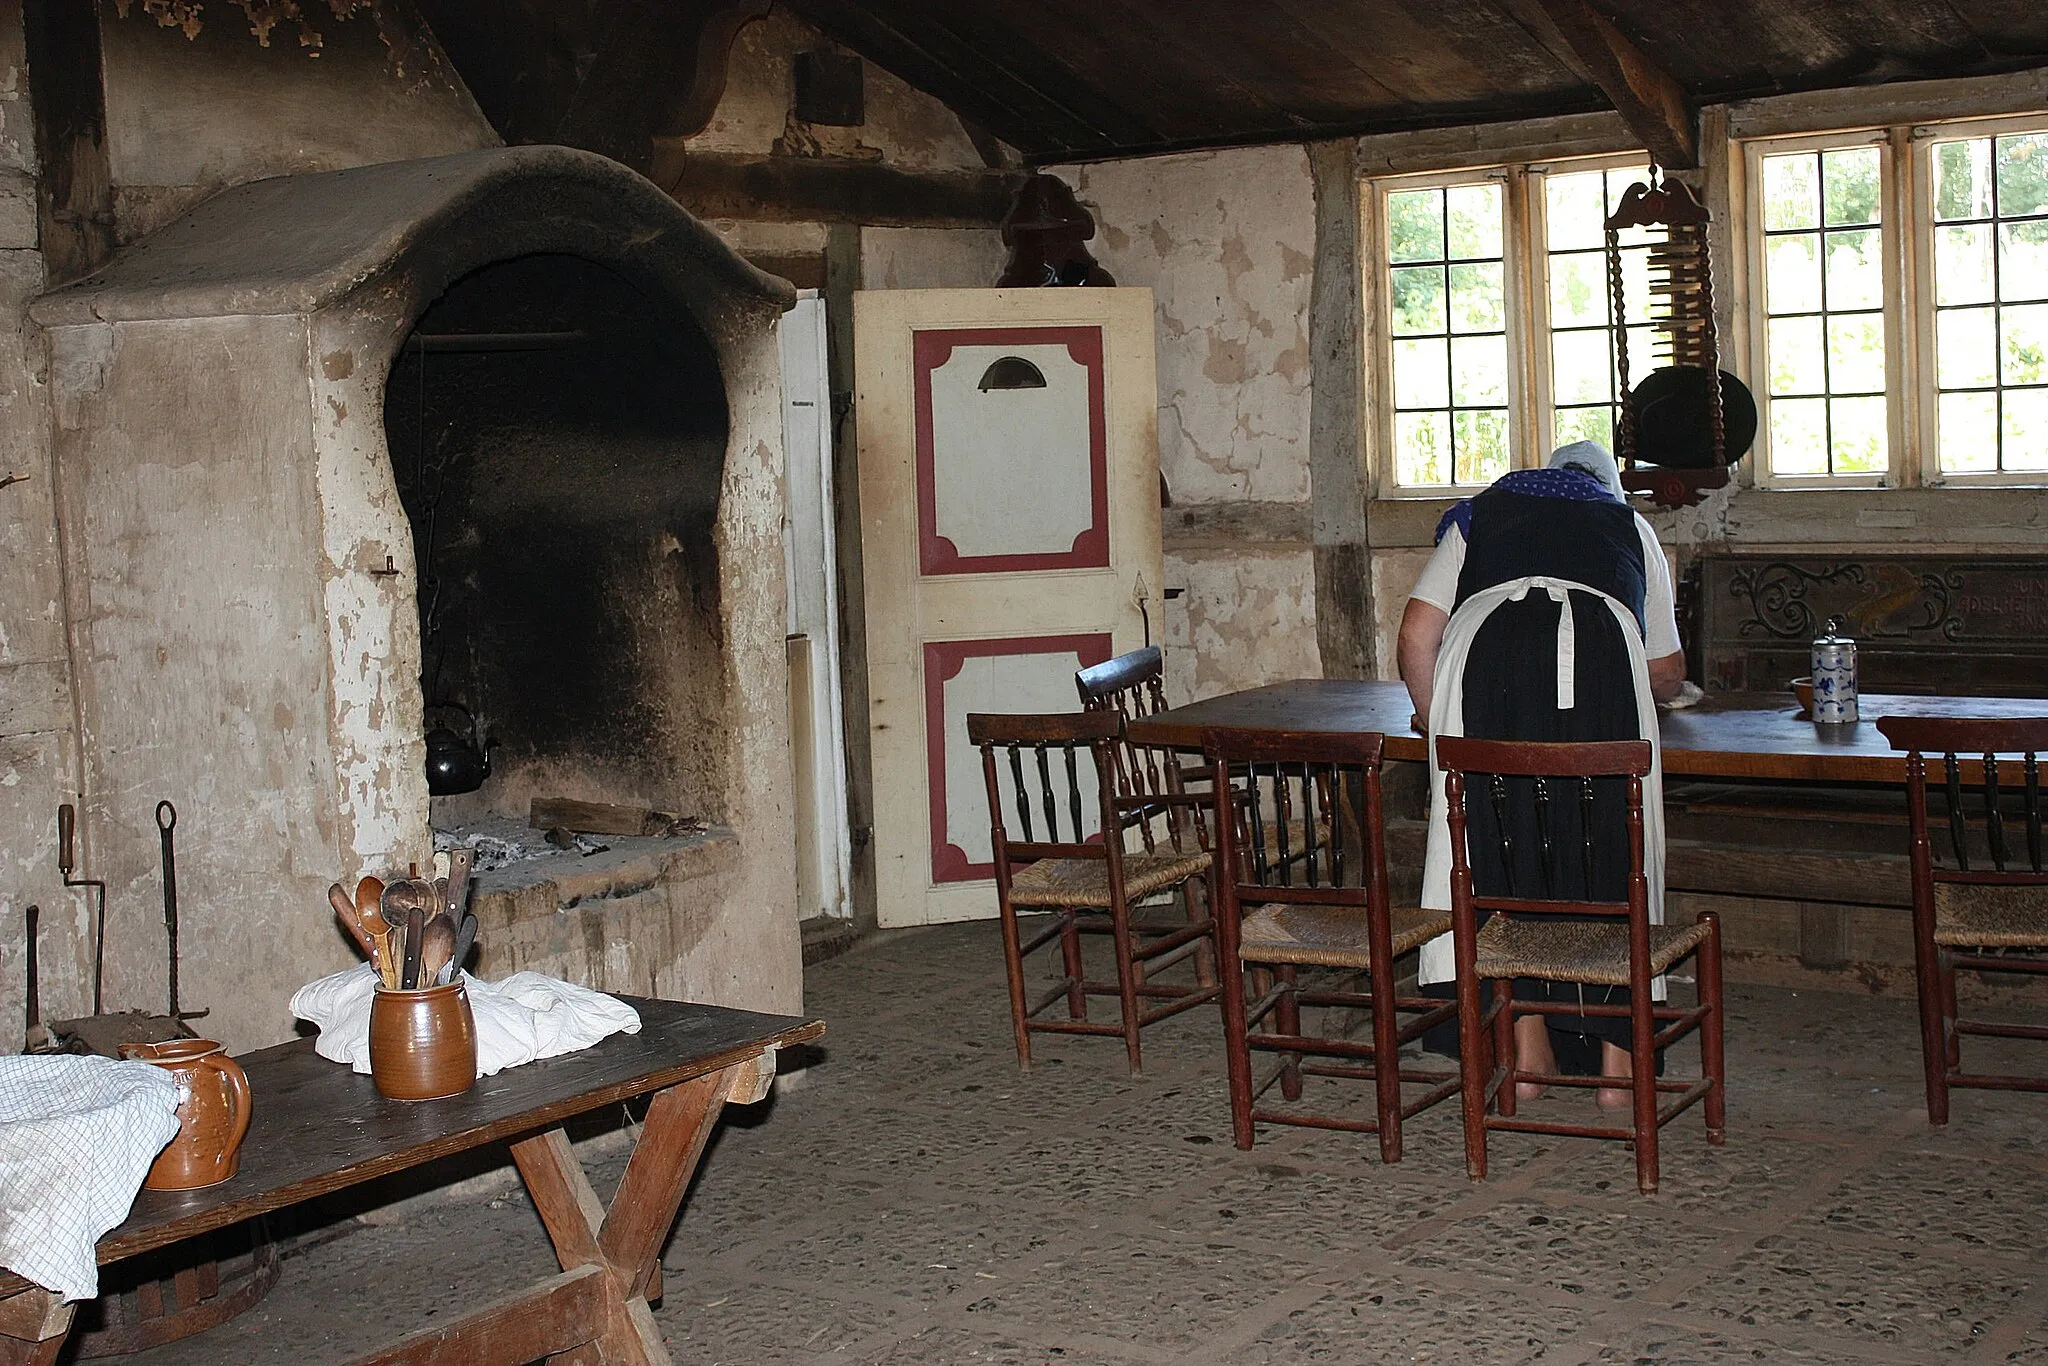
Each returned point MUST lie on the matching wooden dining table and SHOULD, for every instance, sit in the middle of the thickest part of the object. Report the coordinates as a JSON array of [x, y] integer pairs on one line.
[[1732, 735]]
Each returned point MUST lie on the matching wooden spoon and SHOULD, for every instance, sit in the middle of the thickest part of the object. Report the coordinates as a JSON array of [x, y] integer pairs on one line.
[[369, 892], [345, 912], [438, 949]]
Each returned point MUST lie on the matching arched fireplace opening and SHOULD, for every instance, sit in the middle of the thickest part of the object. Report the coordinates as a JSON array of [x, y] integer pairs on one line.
[[558, 440]]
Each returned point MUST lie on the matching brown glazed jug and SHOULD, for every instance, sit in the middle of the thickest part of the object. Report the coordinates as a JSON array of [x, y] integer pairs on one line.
[[423, 1042], [213, 1113]]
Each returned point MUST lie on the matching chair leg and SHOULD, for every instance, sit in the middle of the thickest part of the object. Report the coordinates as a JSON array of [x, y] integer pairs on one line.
[[1505, 1054], [1127, 981], [1205, 948], [1945, 1053], [1070, 960], [1287, 1015], [1713, 1060], [1013, 963], [1474, 1064], [1927, 972], [1386, 1067], [1643, 1085], [1237, 1055], [1947, 977], [1934, 1031]]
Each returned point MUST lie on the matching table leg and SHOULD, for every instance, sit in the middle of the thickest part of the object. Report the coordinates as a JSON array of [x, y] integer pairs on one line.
[[33, 1326], [626, 1240]]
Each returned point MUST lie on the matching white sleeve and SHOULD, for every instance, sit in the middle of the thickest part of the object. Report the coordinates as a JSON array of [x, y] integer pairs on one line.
[[1660, 613], [1438, 583]]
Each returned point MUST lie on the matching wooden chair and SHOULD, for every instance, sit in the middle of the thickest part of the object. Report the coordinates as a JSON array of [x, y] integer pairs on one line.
[[1556, 784], [1153, 785], [1089, 883], [1302, 884], [1965, 914]]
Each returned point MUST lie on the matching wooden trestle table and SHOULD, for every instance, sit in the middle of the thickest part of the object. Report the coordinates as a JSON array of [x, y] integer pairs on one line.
[[1730, 735], [318, 1128]]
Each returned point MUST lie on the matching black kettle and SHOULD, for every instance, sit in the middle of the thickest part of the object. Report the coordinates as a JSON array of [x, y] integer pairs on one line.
[[456, 761]]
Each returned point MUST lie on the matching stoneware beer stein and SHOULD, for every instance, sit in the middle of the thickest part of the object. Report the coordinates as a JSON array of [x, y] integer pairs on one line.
[[423, 1043], [213, 1113]]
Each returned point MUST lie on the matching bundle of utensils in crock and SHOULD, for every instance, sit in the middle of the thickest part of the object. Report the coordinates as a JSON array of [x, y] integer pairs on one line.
[[416, 932]]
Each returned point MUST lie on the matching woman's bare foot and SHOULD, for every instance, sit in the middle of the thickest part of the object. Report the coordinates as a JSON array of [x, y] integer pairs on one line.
[[1615, 1062], [1533, 1054]]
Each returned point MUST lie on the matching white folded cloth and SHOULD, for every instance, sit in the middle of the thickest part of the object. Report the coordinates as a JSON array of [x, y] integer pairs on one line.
[[77, 1135], [521, 1019]]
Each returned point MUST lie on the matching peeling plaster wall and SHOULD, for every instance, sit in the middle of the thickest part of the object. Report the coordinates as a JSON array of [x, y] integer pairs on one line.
[[188, 117], [193, 530], [1226, 242], [38, 743]]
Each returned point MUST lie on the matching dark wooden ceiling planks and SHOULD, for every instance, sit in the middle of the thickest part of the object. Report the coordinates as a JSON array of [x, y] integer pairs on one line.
[[1085, 79], [1092, 79]]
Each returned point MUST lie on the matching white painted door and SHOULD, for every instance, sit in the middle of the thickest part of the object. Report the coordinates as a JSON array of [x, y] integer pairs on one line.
[[1009, 494], [817, 733]]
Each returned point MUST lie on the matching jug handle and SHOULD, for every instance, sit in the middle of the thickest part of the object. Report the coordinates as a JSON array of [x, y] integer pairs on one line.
[[237, 1082]]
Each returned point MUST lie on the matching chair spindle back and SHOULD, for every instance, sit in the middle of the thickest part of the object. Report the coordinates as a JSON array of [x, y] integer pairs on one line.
[[1305, 815], [1979, 797], [1045, 758], [1562, 846], [1148, 780]]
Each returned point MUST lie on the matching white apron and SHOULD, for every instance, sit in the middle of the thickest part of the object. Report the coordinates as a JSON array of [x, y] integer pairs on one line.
[[1447, 717]]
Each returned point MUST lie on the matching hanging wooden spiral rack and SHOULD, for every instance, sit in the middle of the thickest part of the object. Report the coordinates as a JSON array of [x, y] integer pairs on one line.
[[1682, 286]]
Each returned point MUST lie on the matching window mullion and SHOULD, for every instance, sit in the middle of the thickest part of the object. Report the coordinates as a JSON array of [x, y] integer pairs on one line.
[[1905, 309], [1528, 399]]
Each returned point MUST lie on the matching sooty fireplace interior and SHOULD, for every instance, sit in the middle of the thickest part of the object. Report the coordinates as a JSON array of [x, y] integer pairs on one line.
[[558, 442]]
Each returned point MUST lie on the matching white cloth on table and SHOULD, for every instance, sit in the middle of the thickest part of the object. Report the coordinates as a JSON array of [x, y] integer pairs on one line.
[[77, 1135], [1447, 717], [523, 1018]]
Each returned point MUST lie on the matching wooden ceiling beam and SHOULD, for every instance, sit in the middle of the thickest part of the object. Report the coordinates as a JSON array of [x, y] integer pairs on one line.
[[1655, 107], [831, 190], [659, 67]]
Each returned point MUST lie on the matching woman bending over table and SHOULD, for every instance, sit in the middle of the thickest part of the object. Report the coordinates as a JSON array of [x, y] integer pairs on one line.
[[1487, 651]]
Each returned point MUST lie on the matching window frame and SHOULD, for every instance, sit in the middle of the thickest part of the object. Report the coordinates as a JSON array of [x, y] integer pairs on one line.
[[1912, 395], [1919, 140], [1379, 294], [1756, 310], [1531, 407]]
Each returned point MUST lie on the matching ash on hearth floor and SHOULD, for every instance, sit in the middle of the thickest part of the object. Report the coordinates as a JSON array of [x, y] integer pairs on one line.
[[912, 1198]]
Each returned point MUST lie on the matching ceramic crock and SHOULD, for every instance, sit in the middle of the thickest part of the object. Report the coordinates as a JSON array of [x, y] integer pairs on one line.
[[423, 1043]]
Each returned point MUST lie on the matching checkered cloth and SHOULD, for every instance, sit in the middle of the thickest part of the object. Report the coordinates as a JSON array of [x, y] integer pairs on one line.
[[77, 1135]]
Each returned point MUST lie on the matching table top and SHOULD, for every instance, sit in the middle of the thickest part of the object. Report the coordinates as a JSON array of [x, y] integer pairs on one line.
[[1730, 735], [319, 1127]]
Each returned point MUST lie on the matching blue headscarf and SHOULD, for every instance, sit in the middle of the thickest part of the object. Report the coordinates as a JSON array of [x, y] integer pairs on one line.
[[1583, 472]]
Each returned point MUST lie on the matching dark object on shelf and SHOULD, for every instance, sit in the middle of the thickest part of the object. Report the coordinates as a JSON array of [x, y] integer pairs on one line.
[[1672, 416], [1044, 231], [104, 1035], [830, 89], [456, 760]]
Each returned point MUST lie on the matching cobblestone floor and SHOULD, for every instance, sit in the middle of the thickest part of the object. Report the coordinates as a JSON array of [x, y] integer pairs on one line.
[[913, 1198]]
